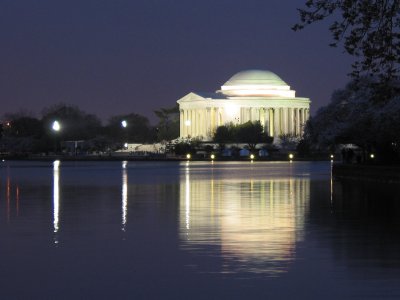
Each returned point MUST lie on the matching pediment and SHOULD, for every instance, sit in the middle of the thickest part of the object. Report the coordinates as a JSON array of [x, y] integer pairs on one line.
[[191, 97]]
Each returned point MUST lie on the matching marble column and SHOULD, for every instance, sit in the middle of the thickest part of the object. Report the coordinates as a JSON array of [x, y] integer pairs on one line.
[[184, 123], [284, 129], [276, 122], [181, 123], [266, 120], [271, 122]]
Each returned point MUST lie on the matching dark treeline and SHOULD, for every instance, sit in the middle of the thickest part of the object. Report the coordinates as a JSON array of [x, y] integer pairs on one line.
[[23, 133]]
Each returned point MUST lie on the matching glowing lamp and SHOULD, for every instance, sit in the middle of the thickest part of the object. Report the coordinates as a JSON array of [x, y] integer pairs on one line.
[[124, 123], [56, 126], [188, 156], [212, 156], [251, 156], [291, 156]]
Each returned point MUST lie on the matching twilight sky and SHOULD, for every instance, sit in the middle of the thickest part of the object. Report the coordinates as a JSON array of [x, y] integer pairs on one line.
[[113, 57]]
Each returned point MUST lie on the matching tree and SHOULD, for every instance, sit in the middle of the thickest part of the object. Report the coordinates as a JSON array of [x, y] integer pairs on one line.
[[351, 117], [168, 124], [22, 126], [250, 133], [75, 123], [137, 130], [22, 133], [368, 29], [224, 134]]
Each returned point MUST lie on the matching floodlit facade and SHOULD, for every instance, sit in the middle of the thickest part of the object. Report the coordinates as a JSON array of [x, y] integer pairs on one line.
[[252, 95]]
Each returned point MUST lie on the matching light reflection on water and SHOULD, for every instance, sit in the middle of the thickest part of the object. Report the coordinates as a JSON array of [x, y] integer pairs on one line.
[[124, 194], [161, 230], [56, 198], [255, 222]]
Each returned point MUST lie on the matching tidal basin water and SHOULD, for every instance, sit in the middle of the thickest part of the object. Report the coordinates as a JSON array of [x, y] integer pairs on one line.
[[195, 230]]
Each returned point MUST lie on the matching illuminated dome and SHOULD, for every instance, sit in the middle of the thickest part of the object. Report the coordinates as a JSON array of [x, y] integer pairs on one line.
[[256, 83], [255, 77]]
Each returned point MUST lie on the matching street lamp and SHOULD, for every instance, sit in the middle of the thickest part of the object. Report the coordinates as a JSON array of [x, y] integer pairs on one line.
[[56, 126], [124, 124]]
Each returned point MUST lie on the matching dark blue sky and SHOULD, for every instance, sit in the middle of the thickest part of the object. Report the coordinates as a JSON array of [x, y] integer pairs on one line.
[[119, 56]]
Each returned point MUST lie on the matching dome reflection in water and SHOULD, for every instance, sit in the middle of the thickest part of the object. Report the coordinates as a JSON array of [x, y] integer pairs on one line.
[[255, 221]]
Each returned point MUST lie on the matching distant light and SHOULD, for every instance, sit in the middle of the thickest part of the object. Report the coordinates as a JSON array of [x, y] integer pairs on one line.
[[188, 156], [291, 156], [126, 145], [124, 123], [332, 156], [212, 156], [372, 155], [251, 156], [187, 122], [56, 126]]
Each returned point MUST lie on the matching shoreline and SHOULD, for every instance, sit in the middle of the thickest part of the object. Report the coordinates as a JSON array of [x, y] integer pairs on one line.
[[152, 158], [358, 172]]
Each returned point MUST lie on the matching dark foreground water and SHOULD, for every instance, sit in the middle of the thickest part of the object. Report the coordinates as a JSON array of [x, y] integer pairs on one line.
[[149, 230]]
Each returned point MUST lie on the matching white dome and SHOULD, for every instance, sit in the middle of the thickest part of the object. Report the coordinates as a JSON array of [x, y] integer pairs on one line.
[[255, 77], [256, 83]]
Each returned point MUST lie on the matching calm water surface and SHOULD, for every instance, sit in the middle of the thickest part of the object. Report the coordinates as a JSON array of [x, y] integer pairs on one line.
[[197, 230]]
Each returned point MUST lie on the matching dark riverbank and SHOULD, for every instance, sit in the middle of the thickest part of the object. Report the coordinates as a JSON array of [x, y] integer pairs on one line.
[[382, 173], [156, 157]]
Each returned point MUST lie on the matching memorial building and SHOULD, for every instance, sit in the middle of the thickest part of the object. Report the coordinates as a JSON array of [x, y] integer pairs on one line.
[[252, 95]]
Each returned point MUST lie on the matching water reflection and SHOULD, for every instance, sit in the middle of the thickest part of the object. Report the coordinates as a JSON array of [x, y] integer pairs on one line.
[[255, 222], [8, 196], [124, 194], [56, 198], [12, 190], [367, 225]]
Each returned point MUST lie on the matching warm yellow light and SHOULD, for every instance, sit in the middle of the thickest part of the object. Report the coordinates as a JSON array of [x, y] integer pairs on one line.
[[232, 110], [372, 155], [291, 156], [212, 156], [252, 156], [332, 156], [188, 156]]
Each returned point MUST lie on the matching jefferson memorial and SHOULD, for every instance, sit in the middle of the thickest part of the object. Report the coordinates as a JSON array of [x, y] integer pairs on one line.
[[252, 95]]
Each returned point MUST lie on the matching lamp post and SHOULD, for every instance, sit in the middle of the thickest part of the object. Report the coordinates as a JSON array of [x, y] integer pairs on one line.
[[124, 124], [56, 126]]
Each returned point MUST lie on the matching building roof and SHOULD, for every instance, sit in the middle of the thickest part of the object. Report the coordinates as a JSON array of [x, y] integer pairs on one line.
[[255, 77]]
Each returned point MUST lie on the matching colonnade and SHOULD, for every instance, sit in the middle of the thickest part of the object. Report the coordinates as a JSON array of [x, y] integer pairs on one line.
[[202, 122]]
